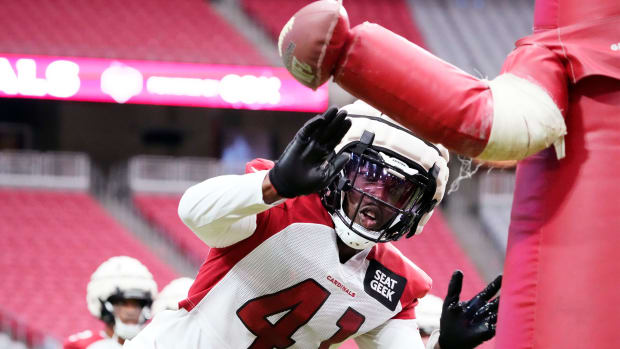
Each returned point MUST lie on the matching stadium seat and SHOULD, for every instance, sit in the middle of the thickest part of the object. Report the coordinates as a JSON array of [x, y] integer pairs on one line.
[[178, 31], [392, 14], [161, 211], [437, 252]]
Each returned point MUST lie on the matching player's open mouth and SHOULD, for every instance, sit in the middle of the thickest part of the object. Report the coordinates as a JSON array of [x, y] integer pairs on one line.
[[370, 217]]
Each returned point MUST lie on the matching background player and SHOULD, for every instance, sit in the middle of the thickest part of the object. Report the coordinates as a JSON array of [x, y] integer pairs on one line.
[[120, 294], [428, 313], [170, 296]]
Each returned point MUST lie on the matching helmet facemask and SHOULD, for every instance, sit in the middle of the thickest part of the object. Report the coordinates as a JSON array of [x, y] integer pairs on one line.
[[110, 315], [380, 195]]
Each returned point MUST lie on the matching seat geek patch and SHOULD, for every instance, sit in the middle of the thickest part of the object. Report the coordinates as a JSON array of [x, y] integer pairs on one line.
[[384, 285]]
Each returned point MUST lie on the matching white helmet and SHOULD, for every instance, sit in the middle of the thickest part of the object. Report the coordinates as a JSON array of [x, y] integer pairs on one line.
[[169, 297], [428, 313], [116, 279], [411, 173]]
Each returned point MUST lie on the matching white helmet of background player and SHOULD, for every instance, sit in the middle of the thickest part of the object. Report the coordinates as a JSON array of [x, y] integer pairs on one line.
[[170, 296], [391, 184], [115, 280], [428, 313]]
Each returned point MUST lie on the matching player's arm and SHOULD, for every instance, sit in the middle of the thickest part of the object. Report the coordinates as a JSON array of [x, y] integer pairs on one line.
[[394, 334], [222, 210]]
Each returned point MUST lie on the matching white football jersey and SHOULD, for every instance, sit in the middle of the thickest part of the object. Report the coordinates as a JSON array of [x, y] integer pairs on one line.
[[283, 285]]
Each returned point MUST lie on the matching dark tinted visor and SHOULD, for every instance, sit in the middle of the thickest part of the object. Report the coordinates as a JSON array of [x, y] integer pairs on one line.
[[383, 182]]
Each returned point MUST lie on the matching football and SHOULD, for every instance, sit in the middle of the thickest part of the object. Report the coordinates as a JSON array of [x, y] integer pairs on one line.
[[324, 27]]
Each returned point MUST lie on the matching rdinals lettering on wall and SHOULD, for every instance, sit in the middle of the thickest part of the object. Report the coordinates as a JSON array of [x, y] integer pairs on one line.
[[160, 83]]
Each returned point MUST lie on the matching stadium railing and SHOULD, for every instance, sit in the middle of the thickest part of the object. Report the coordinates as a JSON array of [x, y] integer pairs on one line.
[[173, 175], [33, 169]]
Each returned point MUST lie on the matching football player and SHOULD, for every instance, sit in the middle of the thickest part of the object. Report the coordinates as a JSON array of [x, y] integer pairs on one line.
[[428, 313], [170, 296], [120, 294], [300, 249]]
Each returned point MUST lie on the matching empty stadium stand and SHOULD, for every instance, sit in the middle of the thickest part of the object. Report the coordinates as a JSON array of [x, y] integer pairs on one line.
[[437, 252], [392, 14], [179, 31], [51, 243], [161, 211], [474, 35], [156, 184]]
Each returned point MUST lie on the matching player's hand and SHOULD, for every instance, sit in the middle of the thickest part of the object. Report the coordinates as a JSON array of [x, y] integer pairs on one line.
[[309, 164], [465, 325]]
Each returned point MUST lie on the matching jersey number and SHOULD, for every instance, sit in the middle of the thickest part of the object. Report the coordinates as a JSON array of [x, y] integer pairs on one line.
[[300, 302]]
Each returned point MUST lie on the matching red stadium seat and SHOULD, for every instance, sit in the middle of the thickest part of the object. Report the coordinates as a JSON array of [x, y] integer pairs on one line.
[[437, 252], [180, 31], [392, 14], [51, 243], [161, 211]]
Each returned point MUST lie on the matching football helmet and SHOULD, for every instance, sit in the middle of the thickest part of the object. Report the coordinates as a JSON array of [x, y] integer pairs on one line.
[[171, 294], [390, 185], [428, 313], [117, 279]]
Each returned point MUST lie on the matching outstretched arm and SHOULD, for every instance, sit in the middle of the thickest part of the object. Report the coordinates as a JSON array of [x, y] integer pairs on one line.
[[222, 210], [466, 324]]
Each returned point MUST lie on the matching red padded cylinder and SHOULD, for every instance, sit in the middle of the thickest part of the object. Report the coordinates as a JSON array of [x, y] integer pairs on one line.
[[434, 99]]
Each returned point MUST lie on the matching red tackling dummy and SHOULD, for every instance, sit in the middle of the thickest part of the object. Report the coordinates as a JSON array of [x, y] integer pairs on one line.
[[561, 269], [389, 72]]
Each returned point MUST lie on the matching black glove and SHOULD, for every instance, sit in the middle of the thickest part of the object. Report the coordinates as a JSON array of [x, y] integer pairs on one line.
[[308, 164], [466, 325]]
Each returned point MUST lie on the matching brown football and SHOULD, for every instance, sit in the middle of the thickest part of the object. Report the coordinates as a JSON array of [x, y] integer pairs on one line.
[[312, 40]]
